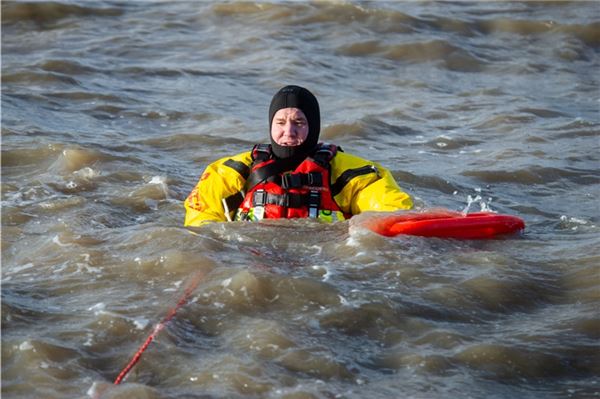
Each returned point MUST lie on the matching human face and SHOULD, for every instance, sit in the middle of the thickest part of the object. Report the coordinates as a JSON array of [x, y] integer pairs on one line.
[[289, 127]]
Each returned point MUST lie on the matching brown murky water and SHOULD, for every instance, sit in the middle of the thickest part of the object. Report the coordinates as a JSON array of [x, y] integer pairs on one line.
[[110, 111]]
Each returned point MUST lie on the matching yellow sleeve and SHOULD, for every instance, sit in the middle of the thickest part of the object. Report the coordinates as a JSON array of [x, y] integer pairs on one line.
[[371, 188], [219, 181]]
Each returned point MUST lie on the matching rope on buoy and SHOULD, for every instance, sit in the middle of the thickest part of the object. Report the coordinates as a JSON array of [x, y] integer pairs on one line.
[[196, 278]]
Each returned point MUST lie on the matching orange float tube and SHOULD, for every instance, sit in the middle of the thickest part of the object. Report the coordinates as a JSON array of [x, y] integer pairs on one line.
[[446, 224]]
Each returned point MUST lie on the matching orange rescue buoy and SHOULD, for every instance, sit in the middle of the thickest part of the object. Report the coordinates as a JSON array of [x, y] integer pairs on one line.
[[445, 224]]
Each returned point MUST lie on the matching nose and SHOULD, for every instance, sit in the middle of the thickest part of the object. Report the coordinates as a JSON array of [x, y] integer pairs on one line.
[[289, 129]]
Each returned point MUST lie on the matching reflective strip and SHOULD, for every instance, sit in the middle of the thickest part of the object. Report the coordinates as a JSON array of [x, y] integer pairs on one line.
[[314, 200], [330, 216], [348, 175], [226, 209], [258, 201]]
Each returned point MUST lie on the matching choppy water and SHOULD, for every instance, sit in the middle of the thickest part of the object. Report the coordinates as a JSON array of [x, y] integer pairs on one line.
[[110, 111]]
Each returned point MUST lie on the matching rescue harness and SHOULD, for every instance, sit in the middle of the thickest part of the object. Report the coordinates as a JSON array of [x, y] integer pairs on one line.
[[272, 191]]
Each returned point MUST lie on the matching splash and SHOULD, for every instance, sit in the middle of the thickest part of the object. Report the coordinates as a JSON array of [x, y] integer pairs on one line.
[[483, 205]]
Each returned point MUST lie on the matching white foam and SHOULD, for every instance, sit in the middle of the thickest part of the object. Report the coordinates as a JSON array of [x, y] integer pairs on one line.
[[157, 180], [575, 220], [56, 241], [140, 323], [88, 268], [26, 346], [483, 205], [19, 269], [343, 300], [97, 308], [86, 173], [325, 275], [99, 305], [226, 282], [94, 391], [89, 340]]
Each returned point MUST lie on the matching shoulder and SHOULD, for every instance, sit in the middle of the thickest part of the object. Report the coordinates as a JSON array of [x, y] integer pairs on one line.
[[244, 157], [232, 166], [349, 161]]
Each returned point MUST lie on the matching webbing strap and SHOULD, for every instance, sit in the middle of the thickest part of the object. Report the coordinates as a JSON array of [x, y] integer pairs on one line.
[[295, 180], [272, 169], [234, 201]]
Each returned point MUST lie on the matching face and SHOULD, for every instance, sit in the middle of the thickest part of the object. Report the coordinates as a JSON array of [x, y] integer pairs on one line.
[[289, 127]]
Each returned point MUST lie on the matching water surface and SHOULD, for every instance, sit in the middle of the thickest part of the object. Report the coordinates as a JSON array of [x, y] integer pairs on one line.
[[111, 110]]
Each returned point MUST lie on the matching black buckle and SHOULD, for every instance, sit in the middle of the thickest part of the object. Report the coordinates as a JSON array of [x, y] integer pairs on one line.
[[295, 180], [325, 153], [315, 179], [261, 152], [291, 180]]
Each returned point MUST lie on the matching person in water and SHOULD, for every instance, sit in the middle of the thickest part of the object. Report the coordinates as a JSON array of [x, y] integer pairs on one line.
[[294, 176]]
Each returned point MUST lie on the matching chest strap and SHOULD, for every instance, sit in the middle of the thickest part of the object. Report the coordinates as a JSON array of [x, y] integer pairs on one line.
[[295, 180], [260, 198], [262, 153], [287, 200], [272, 169]]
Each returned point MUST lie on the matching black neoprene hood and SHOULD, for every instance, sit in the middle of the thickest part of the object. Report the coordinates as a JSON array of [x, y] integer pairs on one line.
[[301, 98]]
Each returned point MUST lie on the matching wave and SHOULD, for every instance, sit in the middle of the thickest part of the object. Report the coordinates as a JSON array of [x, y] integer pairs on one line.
[[587, 33], [56, 159], [426, 181], [536, 175], [66, 67], [41, 78], [388, 19], [187, 140], [366, 127], [26, 156], [50, 12], [415, 51]]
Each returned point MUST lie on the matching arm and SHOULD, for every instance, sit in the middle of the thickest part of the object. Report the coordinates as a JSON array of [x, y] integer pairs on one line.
[[204, 204], [383, 195], [370, 187]]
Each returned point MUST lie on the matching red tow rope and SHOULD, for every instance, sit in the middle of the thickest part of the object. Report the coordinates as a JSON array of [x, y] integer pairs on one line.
[[195, 280]]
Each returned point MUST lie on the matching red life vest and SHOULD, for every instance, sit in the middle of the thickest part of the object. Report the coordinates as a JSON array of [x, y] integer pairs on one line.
[[303, 192]]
